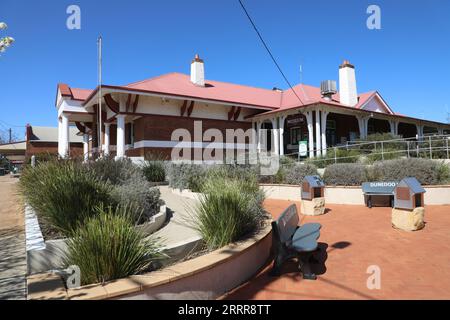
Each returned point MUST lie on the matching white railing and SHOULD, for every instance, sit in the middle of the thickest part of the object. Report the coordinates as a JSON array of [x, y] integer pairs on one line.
[[427, 146]]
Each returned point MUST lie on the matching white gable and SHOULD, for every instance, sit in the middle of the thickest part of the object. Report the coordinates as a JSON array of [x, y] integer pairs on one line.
[[376, 104]]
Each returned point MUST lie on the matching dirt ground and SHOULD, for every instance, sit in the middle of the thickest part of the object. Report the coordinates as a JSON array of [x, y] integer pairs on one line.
[[12, 241]]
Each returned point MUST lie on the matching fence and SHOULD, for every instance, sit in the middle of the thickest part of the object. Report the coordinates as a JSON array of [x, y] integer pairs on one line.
[[429, 146]]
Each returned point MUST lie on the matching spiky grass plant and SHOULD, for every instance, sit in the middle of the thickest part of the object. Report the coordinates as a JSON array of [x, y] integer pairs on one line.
[[64, 193], [228, 210], [108, 247], [154, 171]]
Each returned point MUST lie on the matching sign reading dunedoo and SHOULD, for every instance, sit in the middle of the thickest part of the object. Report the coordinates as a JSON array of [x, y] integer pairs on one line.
[[382, 187]]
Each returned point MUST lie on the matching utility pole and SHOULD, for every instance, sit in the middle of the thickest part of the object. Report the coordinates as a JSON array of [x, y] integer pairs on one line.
[[10, 135], [100, 142]]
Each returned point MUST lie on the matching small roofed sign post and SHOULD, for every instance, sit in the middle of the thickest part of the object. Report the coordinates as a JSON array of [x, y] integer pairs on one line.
[[312, 194], [408, 212]]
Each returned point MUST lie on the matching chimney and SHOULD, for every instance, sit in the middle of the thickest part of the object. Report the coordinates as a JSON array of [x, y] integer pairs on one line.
[[198, 71], [347, 84]]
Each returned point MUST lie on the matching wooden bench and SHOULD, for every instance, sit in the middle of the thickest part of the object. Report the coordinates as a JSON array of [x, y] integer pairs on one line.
[[292, 241]]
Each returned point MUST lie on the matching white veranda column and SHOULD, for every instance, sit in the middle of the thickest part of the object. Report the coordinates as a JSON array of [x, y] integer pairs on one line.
[[59, 137], [318, 133], [419, 130], [64, 136], [363, 124], [120, 148], [394, 127], [309, 120], [324, 132], [107, 139], [258, 135], [275, 139], [85, 147], [281, 133]]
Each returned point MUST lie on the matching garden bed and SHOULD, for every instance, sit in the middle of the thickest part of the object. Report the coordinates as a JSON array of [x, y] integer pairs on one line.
[[206, 277], [44, 255]]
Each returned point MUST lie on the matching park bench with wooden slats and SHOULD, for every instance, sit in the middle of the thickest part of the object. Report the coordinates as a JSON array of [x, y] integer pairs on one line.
[[289, 240]]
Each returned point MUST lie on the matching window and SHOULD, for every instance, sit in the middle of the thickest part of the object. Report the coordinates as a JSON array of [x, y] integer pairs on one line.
[[331, 132], [129, 134], [296, 135]]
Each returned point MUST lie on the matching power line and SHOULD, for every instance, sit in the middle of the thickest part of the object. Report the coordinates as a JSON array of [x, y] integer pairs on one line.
[[11, 125], [268, 50]]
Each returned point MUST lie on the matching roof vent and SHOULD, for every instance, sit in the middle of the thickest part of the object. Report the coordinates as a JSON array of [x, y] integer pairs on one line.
[[328, 88]]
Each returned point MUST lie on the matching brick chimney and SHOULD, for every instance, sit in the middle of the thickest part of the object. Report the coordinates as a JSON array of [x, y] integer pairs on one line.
[[198, 71], [347, 84]]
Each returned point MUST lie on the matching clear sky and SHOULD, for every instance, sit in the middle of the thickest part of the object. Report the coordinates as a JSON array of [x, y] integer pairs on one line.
[[407, 61]]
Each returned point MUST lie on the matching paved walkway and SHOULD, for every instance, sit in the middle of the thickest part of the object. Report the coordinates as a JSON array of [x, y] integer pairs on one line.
[[413, 265], [12, 242], [178, 229]]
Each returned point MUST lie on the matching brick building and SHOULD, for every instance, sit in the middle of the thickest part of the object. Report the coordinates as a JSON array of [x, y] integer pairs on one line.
[[140, 117], [41, 140]]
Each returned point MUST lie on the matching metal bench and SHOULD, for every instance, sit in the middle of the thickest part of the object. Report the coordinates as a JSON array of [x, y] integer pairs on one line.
[[385, 188], [290, 240]]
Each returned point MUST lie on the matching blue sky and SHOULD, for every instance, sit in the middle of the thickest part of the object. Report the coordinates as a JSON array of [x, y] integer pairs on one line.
[[407, 61]]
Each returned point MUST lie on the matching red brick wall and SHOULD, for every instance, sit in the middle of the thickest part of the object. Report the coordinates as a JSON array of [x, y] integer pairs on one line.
[[155, 127], [33, 148], [161, 127]]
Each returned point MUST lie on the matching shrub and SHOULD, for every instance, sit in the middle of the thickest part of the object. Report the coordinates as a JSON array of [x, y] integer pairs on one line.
[[154, 171], [42, 157], [427, 171], [228, 210], [130, 186], [114, 171], [64, 193], [345, 174], [186, 176], [342, 156], [378, 137], [388, 154], [108, 247], [295, 174], [138, 194]]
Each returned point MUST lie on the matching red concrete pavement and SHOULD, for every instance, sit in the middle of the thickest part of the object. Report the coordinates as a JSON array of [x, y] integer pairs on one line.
[[414, 265]]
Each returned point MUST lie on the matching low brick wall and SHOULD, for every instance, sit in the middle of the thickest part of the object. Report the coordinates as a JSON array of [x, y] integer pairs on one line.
[[435, 195], [209, 276]]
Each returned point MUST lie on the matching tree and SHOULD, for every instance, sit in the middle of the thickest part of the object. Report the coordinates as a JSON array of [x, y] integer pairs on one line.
[[5, 42]]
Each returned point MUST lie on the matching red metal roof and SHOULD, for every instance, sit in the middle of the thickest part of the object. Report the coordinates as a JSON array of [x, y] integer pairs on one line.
[[74, 93], [80, 94], [179, 84]]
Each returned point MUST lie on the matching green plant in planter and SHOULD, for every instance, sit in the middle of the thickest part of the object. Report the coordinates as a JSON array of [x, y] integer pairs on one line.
[[64, 193], [345, 174], [296, 173], [229, 209], [154, 171], [114, 171], [108, 247], [427, 171]]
